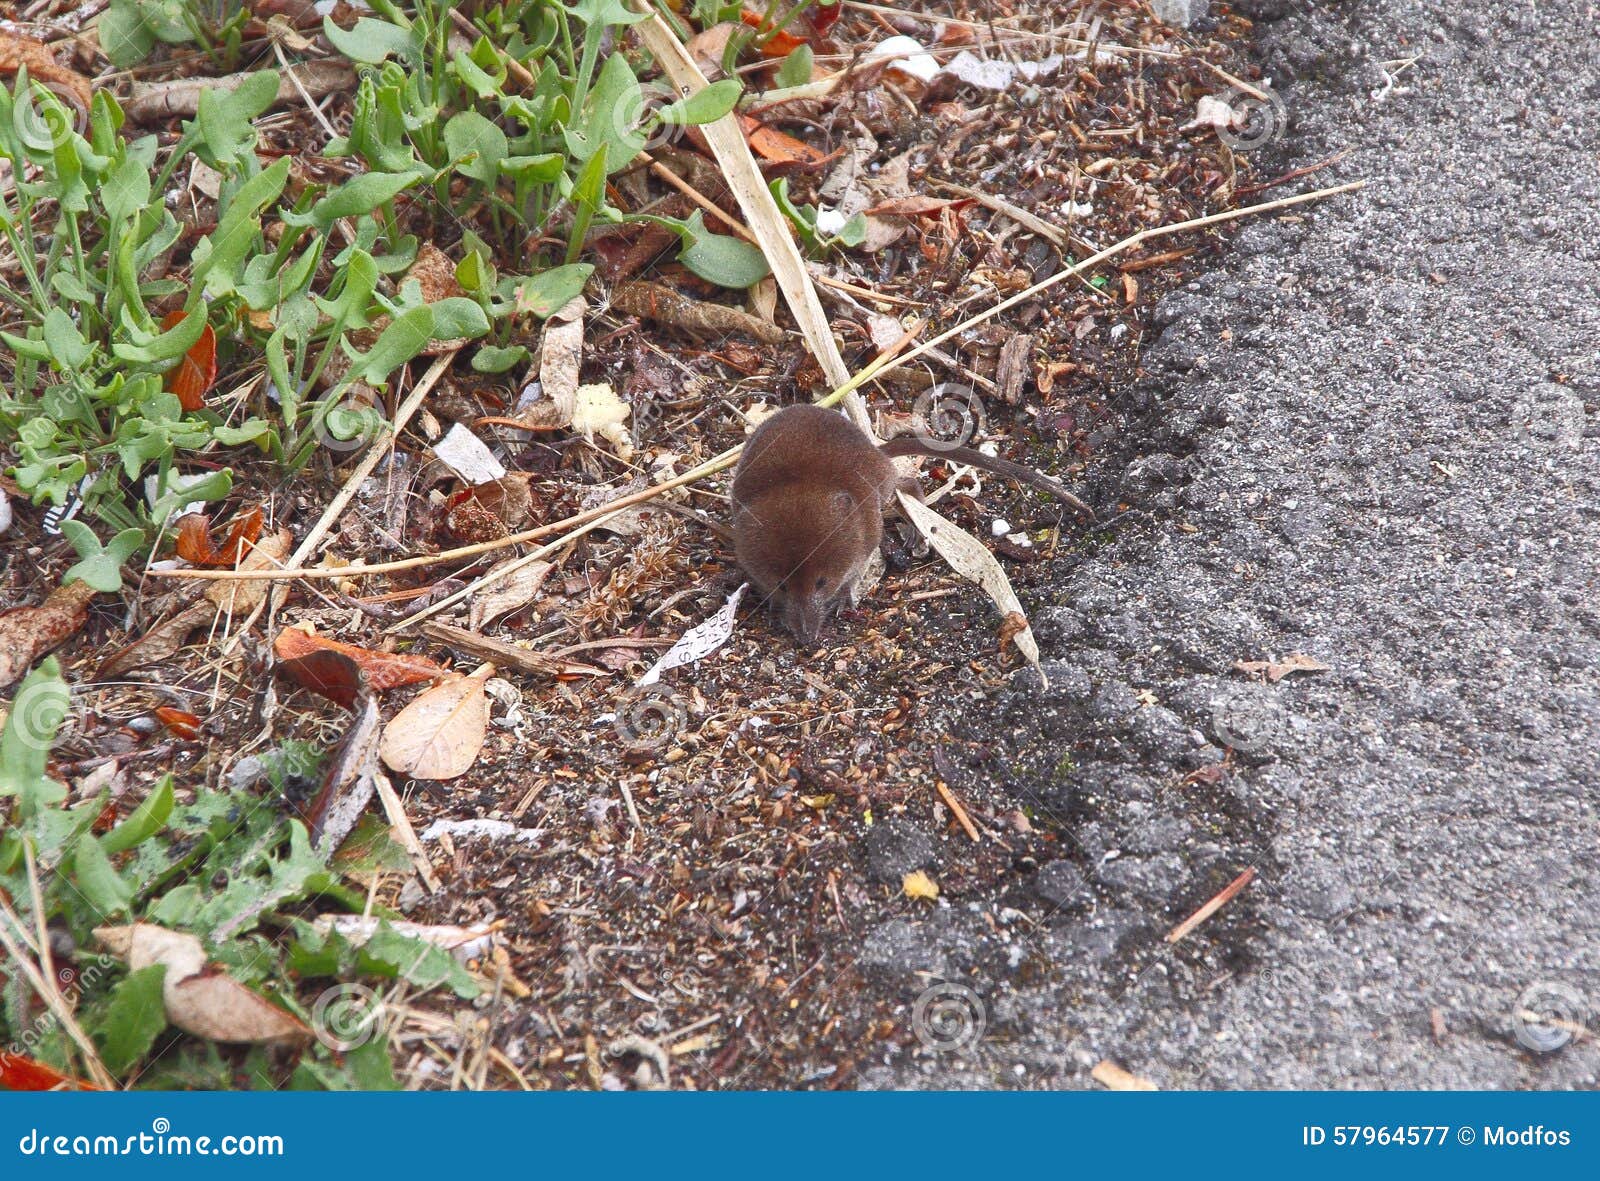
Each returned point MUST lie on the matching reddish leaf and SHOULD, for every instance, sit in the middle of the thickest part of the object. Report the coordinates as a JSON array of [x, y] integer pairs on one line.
[[326, 673], [384, 670], [24, 1074], [194, 539], [192, 376], [781, 44], [771, 144], [180, 723], [822, 15]]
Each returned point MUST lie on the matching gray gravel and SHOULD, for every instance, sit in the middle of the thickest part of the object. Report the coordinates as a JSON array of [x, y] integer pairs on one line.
[[1372, 437]]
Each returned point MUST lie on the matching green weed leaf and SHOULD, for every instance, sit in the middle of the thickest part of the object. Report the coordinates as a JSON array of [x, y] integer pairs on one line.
[[144, 821], [132, 1018], [704, 106], [99, 566], [369, 41], [37, 711]]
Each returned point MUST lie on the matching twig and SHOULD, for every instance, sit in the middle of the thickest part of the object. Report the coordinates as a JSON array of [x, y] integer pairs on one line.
[[954, 805], [407, 836], [699, 198], [1293, 174], [1225, 896]]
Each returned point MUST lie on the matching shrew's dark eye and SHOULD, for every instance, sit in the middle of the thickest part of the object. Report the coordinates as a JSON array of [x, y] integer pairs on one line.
[[822, 582]]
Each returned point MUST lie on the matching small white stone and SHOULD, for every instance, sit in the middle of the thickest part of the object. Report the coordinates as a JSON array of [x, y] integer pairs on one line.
[[1000, 527]]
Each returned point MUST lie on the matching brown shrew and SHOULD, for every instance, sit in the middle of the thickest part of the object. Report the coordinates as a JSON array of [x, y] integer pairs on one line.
[[809, 497]]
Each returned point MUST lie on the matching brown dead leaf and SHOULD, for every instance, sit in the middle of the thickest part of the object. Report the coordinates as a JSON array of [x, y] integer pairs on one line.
[[29, 632], [159, 643], [351, 779], [384, 670], [213, 1005], [1275, 671], [435, 274], [200, 998], [439, 735], [194, 538], [508, 594], [72, 87], [242, 597], [560, 358]]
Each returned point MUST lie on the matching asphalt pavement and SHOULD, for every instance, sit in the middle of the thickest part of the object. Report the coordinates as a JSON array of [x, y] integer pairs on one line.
[[1370, 437]]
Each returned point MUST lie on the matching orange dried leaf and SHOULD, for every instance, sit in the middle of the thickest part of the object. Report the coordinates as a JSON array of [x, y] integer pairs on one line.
[[781, 44], [384, 670], [18, 1073], [181, 723], [776, 146], [192, 376], [194, 539]]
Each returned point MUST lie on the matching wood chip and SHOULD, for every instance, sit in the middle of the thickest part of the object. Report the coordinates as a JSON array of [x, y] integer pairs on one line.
[[1111, 1076], [1222, 899]]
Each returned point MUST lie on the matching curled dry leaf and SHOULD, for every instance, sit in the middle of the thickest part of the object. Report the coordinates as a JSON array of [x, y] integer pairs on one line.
[[503, 596], [194, 538], [1275, 670], [200, 998], [29, 632], [971, 559], [242, 597], [439, 735], [383, 670], [180, 723], [192, 376], [560, 357], [351, 779]]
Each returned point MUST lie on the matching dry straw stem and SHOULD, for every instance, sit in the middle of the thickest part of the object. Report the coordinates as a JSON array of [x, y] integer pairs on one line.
[[728, 458], [51, 996], [766, 221]]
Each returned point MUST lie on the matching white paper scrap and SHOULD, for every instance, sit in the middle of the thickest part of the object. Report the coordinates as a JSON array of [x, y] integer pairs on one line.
[[699, 641]]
